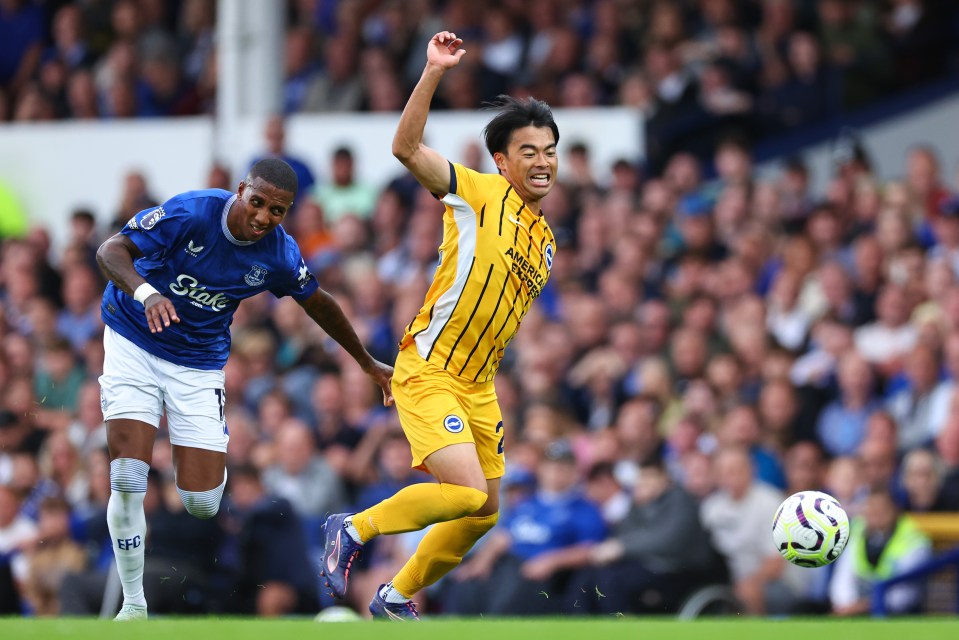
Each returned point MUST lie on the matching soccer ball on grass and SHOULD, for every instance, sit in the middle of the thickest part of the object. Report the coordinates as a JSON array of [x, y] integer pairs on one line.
[[810, 529], [337, 614]]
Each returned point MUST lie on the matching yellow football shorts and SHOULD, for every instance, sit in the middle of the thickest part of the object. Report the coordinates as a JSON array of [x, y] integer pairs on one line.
[[438, 409]]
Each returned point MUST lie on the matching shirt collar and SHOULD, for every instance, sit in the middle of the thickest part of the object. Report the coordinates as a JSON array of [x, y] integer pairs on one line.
[[226, 229]]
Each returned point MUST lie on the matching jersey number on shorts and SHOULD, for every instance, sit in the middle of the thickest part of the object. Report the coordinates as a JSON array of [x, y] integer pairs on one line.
[[221, 400], [499, 428]]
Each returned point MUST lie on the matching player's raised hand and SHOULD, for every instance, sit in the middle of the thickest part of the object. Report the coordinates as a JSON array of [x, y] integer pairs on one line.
[[160, 312], [382, 375], [444, 50]]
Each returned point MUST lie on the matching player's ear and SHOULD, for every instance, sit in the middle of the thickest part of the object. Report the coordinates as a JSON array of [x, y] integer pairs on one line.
[[499, 158]]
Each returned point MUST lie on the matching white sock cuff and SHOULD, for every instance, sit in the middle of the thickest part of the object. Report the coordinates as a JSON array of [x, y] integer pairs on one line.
[[203, 504], [389, 593], [129, 475], [352, 530]]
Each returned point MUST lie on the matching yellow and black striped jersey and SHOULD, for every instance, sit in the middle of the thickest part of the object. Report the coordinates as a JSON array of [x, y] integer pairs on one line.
[[494, 260]]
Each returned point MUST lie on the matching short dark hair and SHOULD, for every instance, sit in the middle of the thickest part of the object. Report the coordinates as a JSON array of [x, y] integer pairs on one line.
[[515, 113], [246, 471], [885, 494], [653, 461], [276, 172], [603, 469], [84, 214], [55, 503]]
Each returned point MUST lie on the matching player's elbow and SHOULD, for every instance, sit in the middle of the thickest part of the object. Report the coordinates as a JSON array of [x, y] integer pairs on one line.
[[105, 250], [403, 151], [114, 244]]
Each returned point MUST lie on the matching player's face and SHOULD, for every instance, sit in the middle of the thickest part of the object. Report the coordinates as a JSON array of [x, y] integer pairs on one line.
[[529, 162], [262, 206]]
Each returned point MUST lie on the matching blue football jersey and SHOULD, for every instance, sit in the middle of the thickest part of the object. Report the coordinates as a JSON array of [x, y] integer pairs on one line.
[[537, 525], [191, 257]]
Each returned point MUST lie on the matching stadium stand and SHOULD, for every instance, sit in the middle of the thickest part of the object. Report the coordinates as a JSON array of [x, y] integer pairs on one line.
[[693, 305]]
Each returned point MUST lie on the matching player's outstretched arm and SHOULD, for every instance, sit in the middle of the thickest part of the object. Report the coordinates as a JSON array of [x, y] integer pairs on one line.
[[325, 311], [115, 257], [429, 167]]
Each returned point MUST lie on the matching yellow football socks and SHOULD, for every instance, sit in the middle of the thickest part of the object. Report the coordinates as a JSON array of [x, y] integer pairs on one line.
[[440, 550], [417, 506]]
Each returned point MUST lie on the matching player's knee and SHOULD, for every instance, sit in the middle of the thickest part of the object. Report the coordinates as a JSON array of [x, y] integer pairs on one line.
[[198, 504], [467, 500], [202, 504], [482, 524]]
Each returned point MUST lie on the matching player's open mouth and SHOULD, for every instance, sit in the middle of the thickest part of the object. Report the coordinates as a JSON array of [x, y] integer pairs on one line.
[[539, 179], [257, 230]]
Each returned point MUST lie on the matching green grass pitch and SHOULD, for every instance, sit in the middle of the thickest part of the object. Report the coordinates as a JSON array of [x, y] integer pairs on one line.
[[480, 629]]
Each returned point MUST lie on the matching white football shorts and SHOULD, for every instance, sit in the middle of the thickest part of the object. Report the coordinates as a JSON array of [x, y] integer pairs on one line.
[[137, 385]]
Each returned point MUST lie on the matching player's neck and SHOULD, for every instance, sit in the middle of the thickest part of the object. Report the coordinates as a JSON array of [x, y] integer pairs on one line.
[[533, 204]]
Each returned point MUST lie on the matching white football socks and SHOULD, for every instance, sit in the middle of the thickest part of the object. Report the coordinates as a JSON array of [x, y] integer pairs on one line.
[[352, 531], [127, 524], [389, 593], [202, 504]]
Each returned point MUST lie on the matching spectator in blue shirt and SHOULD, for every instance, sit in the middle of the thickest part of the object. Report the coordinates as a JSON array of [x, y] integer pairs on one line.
[[842, 424], [524, 567], [275, 136], [21, 32], [274, 575]]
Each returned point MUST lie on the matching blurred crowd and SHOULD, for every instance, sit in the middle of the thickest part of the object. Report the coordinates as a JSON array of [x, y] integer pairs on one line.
[[702, 349], [693, 68], [708, 342]]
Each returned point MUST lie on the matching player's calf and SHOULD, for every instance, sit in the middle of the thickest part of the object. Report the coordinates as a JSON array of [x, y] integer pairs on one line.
[[126, 522]]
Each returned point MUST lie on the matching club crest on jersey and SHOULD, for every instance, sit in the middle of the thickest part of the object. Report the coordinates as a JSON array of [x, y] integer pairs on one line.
[[453, 423], [256, 277], [151, 219], [548, 256]]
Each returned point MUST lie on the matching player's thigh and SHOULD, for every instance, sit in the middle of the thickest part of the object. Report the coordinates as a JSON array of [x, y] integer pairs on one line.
[[440, 439], [195, 402], [130, 439], [131, 397], [435, 421], [486, 422]]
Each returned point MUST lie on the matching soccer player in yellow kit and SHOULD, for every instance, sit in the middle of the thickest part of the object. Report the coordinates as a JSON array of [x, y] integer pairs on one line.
[[495, 257]]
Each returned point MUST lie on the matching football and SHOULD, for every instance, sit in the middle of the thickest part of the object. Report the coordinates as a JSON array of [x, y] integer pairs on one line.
[[337, 614], [810, 529]]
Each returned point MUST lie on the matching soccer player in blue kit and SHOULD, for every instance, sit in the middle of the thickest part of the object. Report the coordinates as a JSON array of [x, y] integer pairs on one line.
[[177, 273]]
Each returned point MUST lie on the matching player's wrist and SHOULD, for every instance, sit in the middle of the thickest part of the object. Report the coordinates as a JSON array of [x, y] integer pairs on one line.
[[434, 68], [143, 292]]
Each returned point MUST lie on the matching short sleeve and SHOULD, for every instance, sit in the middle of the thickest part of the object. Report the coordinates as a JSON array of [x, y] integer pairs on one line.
[[157, 229], [471, 186], [590, 526], [298, 281]]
